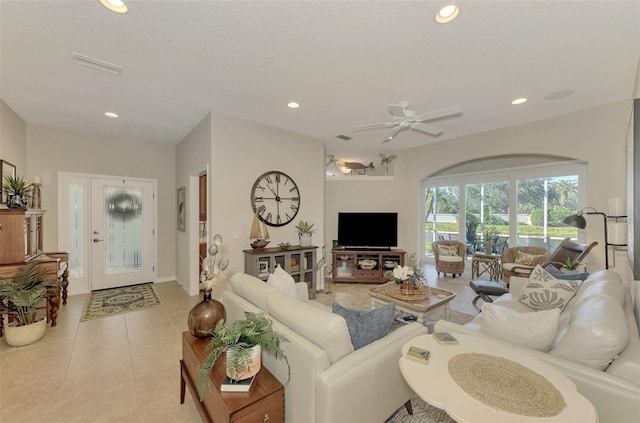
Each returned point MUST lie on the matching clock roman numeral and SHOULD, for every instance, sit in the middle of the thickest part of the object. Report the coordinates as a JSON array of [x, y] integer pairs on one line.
[[260, 186], [293, 189], [268, 179], [261, 209], [294, 207], [277, 177], [269, 217], [278, 220], [258, 199]]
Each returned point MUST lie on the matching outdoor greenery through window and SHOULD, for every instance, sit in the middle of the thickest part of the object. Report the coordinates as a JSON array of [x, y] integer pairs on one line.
[[505, 211]]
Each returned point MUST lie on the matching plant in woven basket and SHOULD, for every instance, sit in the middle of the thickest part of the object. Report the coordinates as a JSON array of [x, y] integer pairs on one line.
[[410, 273]]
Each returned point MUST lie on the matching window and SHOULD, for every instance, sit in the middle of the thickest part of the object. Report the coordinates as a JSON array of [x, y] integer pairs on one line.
[[504, 208]]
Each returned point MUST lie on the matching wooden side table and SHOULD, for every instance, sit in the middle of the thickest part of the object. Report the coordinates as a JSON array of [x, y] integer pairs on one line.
[[263, 403], [485, 263]]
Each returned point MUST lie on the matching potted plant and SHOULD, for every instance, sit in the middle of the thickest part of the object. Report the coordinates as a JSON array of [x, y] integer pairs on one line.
[[305, 230], [570, 264], [20, 297], [240, 341], [18, 191]]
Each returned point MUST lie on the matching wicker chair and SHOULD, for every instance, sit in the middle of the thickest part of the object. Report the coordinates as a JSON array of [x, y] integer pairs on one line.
[[449, 264], [509, 266]]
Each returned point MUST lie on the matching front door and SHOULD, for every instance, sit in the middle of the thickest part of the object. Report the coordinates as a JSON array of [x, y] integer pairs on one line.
[[122, 234]]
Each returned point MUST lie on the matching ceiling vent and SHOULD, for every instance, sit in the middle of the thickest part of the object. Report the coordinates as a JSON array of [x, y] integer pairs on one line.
[[343, 137], [96, 64]]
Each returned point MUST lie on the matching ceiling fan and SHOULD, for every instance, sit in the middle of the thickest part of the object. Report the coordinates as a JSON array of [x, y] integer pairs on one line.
[[404, 118]]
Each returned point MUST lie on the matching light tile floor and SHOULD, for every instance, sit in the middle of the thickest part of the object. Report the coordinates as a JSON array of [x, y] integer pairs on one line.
[[125, 368]]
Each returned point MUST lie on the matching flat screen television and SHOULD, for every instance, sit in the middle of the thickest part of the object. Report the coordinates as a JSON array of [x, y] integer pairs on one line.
[[375, 230]]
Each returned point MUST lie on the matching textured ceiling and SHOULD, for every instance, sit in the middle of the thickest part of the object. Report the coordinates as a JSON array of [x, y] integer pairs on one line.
[[342, 61]]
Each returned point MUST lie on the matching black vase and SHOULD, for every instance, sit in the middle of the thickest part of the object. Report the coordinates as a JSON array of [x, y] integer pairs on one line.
[[17, 201], [204, 316]]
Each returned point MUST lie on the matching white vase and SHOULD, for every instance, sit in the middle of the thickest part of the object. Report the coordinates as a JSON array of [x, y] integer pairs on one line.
[[305, 240], [17, 336], [254, 366]]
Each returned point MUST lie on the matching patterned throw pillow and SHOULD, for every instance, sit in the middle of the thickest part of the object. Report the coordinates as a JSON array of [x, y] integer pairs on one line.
[[447, 250], [366, 326], [544, 292], [529, 259]]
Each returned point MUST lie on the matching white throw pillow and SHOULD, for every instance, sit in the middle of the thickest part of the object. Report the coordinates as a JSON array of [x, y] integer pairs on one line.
[[535, 330], [544, 292], [283, 281]]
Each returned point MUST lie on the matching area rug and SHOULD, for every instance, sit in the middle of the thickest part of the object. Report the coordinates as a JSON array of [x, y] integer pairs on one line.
[[110, 302], [423, 412]]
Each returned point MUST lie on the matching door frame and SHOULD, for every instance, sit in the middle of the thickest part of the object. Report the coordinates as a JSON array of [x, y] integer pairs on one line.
[[83, 286], [193, 199]]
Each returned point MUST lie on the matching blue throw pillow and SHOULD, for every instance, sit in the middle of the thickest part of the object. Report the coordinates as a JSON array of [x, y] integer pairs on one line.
[[365, 326], [559, 274]]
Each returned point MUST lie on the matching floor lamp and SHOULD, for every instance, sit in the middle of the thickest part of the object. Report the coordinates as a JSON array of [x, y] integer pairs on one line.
[[578, 221]]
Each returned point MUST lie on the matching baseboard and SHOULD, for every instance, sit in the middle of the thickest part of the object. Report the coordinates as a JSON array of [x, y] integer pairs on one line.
[[166, 279]]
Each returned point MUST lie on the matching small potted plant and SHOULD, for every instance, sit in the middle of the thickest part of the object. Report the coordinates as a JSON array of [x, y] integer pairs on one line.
[[20, 297], [305, 230], [18, 191], [570, 264], [242, 341]]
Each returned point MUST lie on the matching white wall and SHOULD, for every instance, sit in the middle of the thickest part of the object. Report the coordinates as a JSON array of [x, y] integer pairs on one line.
[[13, 139], [597, 136], [193, 155], [50, 150], [241, 152]]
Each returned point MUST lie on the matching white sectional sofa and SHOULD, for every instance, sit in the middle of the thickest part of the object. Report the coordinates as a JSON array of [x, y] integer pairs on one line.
[[330, 381], [597, 344]]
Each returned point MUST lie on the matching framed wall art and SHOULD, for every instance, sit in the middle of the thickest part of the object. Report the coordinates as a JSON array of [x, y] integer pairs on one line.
[[182, 209], [6, 169]]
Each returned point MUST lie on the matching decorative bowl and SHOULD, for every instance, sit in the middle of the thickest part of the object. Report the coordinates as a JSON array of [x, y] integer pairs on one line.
[[344, 257], [389, 264], [367, 264]]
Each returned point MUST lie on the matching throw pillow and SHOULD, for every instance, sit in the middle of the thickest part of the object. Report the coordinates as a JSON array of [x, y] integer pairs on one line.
[[544, 292], [535, 330], [560, 274], [447, 250], [529, 259], [283, 281], [366, 326]]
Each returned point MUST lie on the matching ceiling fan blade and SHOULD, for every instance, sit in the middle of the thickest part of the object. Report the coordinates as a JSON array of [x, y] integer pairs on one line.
[[375, 125], [447, 111], [397, 110], [428, 128], [392, 134]]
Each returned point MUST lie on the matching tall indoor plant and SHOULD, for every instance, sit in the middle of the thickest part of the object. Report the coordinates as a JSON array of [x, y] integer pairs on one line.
[[20, 297], [239, 340]]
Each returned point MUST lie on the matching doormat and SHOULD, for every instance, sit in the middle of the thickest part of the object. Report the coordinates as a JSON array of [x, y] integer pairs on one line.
[[110, 302]]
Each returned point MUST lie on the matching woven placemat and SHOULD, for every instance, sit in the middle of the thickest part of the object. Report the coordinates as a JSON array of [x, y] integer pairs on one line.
[[506, 385]]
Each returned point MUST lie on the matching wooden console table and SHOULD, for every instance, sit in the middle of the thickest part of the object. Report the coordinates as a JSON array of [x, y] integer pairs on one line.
[[263, 403]]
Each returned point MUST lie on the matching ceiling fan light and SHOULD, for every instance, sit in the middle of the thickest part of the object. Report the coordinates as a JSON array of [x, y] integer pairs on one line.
[[293, 105], [447, 14], [519, 101]]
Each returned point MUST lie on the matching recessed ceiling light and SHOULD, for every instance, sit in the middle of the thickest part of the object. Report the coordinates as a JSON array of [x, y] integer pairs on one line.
[[559, 94], [293, 105], [447, 14], [519, 100], [117, 6], [111, 114]]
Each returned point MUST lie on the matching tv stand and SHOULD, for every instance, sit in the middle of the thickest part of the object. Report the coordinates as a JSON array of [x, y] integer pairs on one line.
[[347, 264]]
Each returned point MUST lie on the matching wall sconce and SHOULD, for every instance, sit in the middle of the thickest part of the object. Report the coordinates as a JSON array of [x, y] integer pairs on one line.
[[578, 221]]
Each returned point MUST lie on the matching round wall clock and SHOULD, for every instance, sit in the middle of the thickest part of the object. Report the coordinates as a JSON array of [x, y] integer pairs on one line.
[[276, 197]]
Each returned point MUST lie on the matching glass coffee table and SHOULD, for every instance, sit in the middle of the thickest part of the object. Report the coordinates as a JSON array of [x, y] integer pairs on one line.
[[438, 298]]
